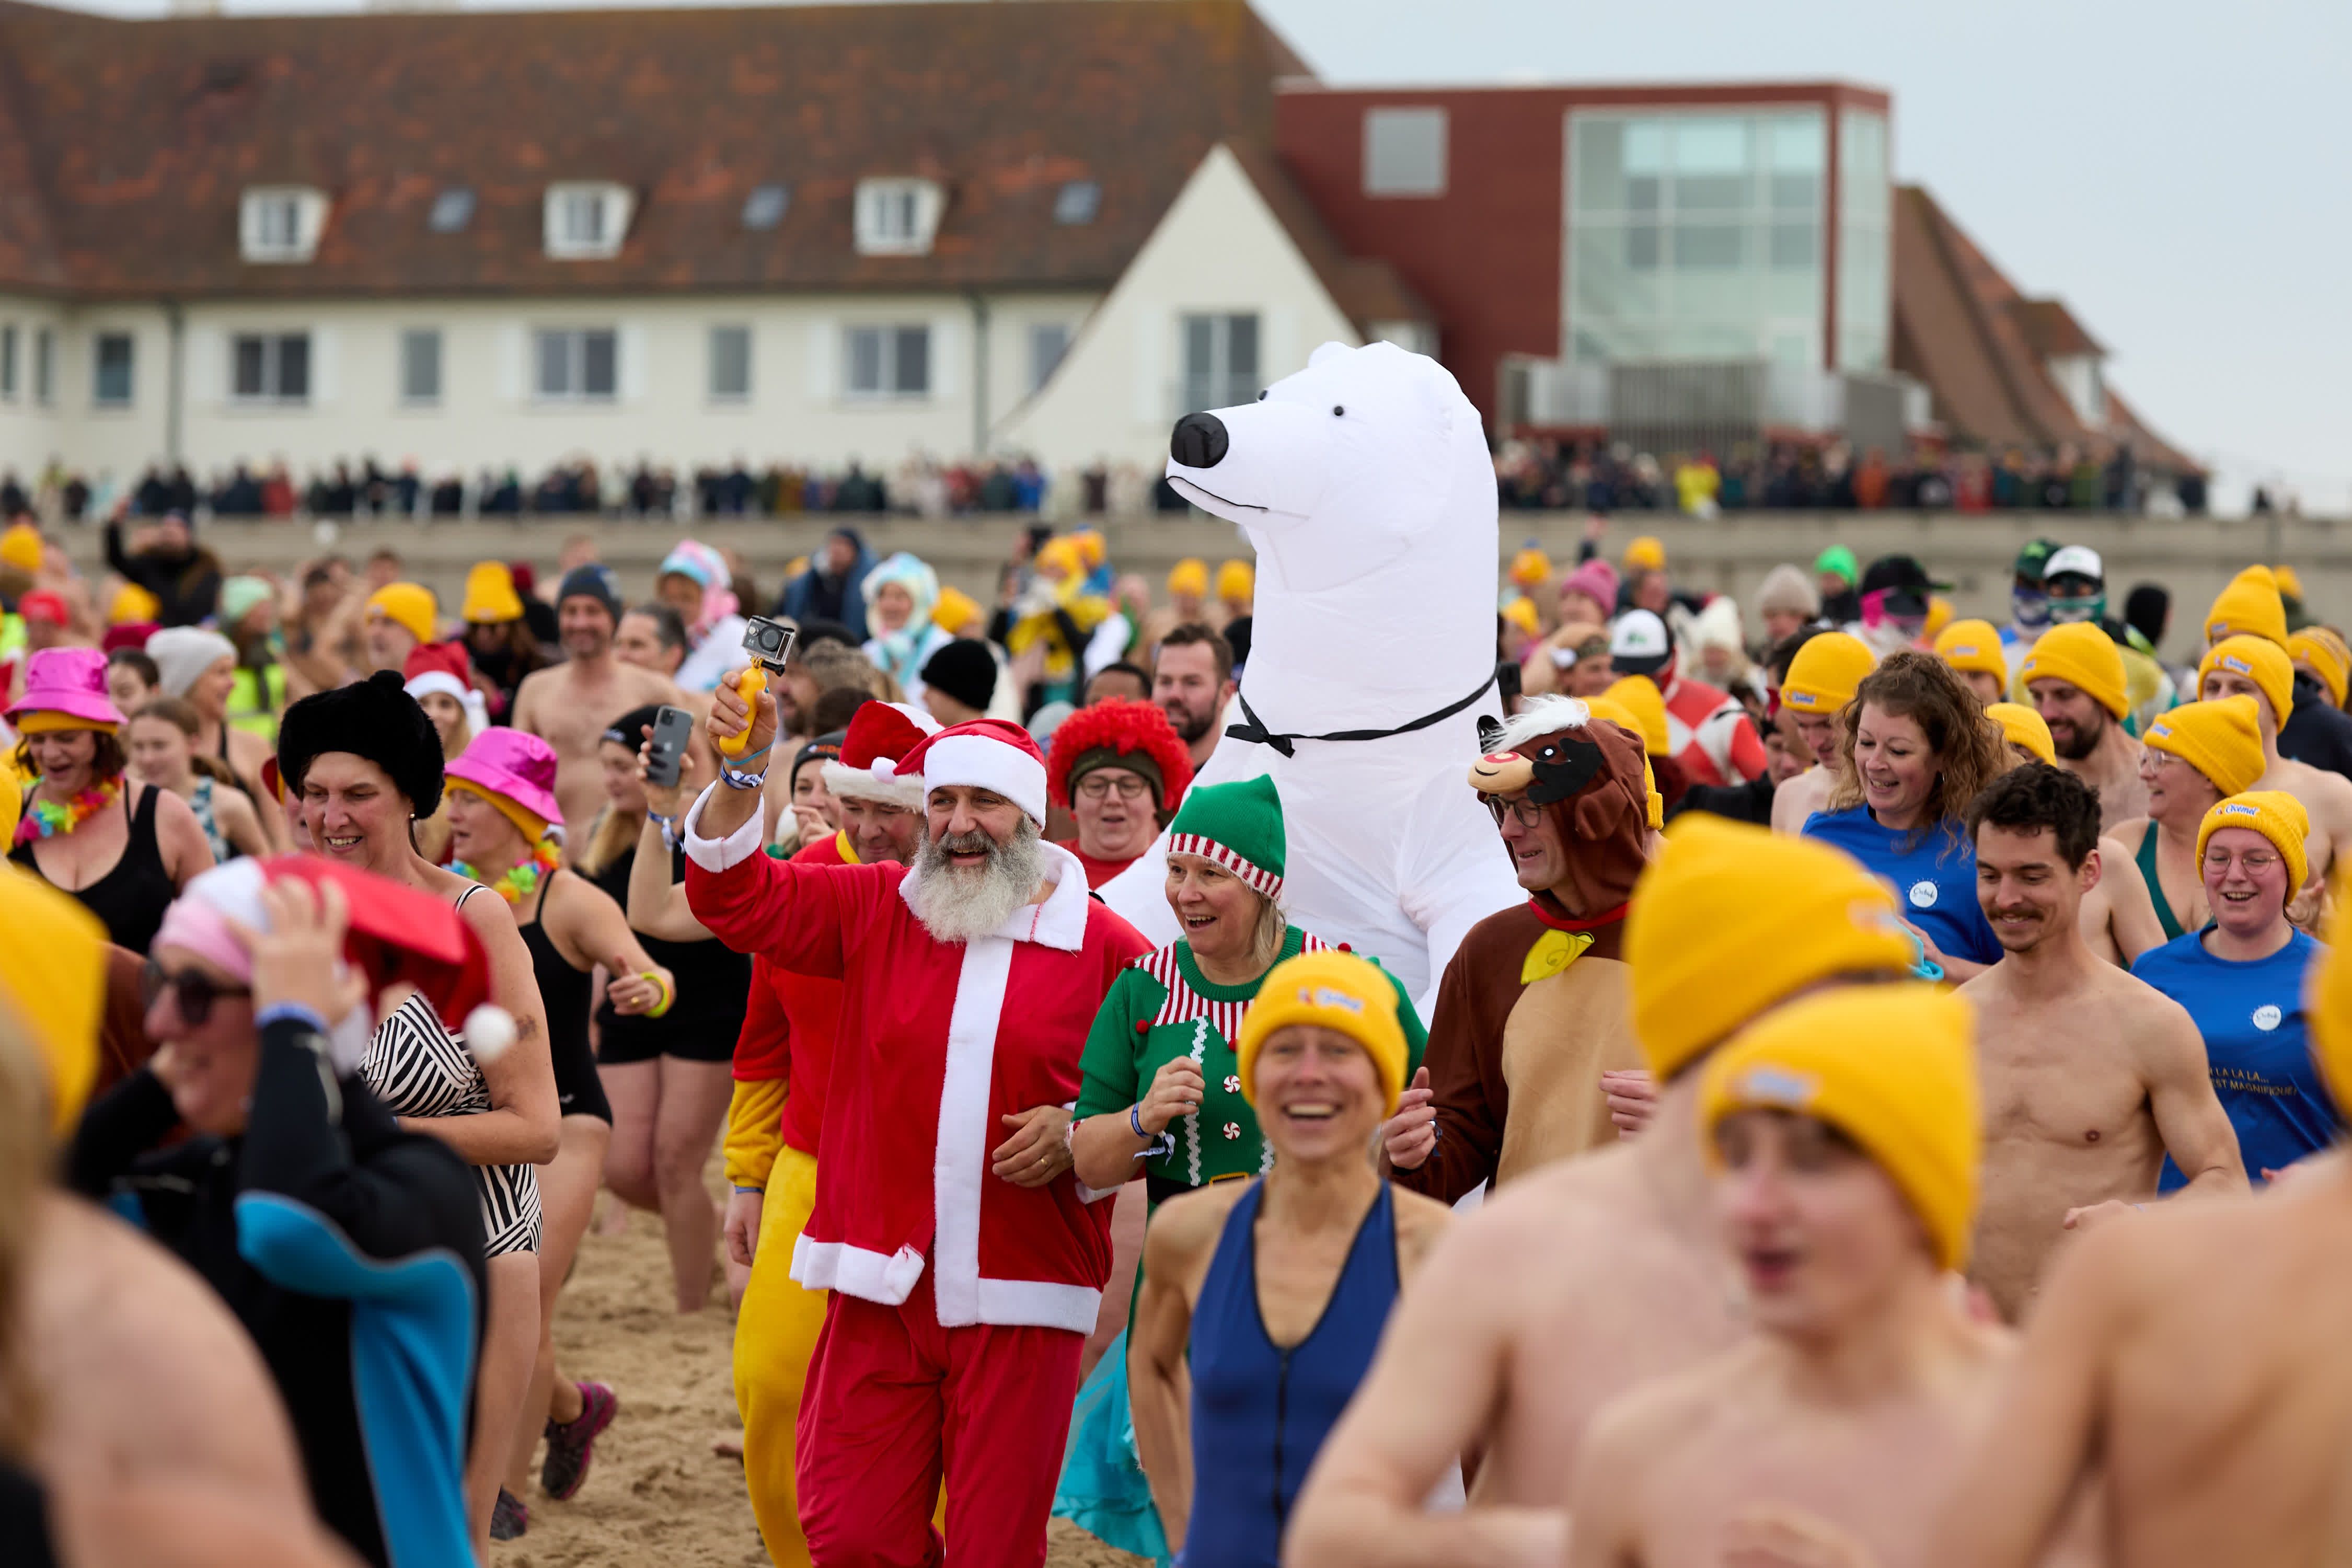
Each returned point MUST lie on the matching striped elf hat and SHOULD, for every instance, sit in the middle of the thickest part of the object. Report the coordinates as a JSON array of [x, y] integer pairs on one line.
[[1239, 826]]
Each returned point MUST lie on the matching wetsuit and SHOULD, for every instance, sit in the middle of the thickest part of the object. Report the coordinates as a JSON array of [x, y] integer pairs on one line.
[[352, 1253]]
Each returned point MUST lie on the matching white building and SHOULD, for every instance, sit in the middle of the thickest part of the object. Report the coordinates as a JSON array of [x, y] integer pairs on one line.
[[797, 235]]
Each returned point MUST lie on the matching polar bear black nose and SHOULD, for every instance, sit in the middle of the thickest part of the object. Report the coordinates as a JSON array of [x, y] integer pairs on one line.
[[1199, 441]]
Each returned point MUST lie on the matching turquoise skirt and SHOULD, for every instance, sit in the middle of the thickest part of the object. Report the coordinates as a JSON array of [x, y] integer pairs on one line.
[[1103, 1489]]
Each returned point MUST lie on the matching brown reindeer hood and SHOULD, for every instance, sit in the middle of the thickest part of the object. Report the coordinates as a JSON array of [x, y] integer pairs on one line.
[[1588, 773]]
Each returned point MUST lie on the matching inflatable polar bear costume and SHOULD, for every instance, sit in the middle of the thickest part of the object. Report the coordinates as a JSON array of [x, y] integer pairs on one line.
[[1365, 485]]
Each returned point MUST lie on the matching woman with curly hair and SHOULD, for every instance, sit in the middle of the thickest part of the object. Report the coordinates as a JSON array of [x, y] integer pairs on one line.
[[1916, 747], [1120, 771]]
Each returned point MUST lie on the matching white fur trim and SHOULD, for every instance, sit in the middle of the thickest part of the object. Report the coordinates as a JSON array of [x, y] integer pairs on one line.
[[439, 680], [1038, 1304], [1251, 873], [980, 762], [1542, 716], [960, 1164], [860, 784], [719, 854], [856, 1270]]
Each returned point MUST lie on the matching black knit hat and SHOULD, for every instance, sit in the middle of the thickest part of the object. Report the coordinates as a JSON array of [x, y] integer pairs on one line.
[[965, 670], [372, 718]]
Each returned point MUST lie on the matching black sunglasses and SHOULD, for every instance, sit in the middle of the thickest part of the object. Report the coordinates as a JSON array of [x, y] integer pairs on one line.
[[193, 991]]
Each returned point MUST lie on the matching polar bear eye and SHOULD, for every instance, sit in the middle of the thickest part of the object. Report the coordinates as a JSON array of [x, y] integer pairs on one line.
[[1261, 395], [1336, 411]]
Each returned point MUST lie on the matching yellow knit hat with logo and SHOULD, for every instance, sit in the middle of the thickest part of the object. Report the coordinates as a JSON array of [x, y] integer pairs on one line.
[[2323, 654], [1973, 645], [1336, 991], [407, 605], [53, 984], [1647, 552], [2289, 581], [1891, 1066], [1729, 921], [1190, 575], [491, 597], [2276, 816], [2084, 657], [1639, 696], [2249, 606], [2024, 727], [1825, 672], [2260, 660], [2222, 739]]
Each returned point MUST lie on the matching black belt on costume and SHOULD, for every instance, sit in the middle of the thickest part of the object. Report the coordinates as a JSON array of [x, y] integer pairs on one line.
[[1253, 730]]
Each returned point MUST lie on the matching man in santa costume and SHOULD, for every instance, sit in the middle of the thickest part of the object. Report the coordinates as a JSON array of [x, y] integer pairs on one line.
[[965, 1261], [783, 1058]]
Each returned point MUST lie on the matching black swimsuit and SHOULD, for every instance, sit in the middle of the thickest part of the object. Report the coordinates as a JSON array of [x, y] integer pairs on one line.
[[714, 982], [563, 994], [132, 897]]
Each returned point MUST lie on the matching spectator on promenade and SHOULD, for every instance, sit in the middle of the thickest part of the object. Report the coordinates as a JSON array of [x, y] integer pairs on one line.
[[166, 561], [832, 588]]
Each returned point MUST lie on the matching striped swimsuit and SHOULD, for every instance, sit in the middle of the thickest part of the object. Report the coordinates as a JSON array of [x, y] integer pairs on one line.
[[417, 1067]]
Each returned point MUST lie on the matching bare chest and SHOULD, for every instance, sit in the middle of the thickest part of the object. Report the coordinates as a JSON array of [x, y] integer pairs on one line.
[[2060, 1077]]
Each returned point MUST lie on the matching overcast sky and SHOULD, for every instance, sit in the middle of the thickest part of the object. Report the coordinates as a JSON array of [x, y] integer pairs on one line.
[[2178, 173]]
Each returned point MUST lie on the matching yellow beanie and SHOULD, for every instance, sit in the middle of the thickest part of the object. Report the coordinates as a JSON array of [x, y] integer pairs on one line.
[[2222, 739], [53, 980], [1825, 672], [954, 610], [1060, 558], [1939, 616], [532, 826], [1973, 645], [2024, 728], [2249, 606], [1521, 613], [1337, 991], [132, 604], [1236, 580], [2083, 656], [2276, 816], [1639, 696], [2289, 581], [1645, 552], [1190, 575], [1529, 567], [1617, 714], [491, 597], [407, 605], [1091, 549], [1891, 1066], [2259, 660], [2328, 1002], [1729, 921], [21, 547], [2325, 656]]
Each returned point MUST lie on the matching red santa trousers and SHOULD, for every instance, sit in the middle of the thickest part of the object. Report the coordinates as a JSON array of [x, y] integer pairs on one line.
[[893, 1399]]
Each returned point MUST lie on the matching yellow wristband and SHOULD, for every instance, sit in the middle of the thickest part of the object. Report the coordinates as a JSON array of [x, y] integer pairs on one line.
[[667, 995]]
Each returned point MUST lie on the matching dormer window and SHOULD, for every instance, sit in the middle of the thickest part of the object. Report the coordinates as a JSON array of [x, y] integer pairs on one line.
[[898, 217], [764, 207], [281, 222], [1076, 203], [453, 209], [586, 220]]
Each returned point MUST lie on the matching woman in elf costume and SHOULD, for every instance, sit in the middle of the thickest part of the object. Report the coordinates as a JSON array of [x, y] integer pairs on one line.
[[501, 812], [124, 848], [1162, 1096]]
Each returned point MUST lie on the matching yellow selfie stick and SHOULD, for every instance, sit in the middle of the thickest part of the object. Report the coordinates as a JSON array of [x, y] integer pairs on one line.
[[748, 685]]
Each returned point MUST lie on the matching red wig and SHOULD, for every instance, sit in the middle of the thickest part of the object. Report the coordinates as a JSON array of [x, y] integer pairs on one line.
[[1127, 727]]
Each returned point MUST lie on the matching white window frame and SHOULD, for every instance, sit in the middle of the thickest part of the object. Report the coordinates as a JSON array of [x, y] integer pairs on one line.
[[1041, 368], [575, 387], [280, 223], [710, 387], [898, 216], [45, 365], [1220, 384], [406, 394], [1398, 135], [271, 391], [889, 362], [585, 220], [10, 368], [98, 398]]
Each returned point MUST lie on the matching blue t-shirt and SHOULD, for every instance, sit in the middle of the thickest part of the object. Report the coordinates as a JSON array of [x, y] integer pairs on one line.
[[2255, 1046], [1935, 880]]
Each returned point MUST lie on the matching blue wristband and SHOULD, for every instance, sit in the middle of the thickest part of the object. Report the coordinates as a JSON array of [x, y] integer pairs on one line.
[[299, 1012]]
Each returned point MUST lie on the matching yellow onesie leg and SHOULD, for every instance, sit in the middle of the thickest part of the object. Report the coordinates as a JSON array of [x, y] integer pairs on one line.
[[775, 1334]]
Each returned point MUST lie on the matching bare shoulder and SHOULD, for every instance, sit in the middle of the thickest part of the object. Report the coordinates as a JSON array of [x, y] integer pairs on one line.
[[2142, 1004], [1556, 1215], [1652, 1419], [1990, 986], [2125, 835], [1187, 1225], [1420, 1221], [655, 686]]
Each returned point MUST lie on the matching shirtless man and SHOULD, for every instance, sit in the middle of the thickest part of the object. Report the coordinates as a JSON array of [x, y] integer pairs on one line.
[[1590, 1275], [2090, 1076], [1842, 1132], [2190, 1366], [1821, 681], [568, 705], [2118, 917], [2260, 668], [651, 637], [2075, 678]]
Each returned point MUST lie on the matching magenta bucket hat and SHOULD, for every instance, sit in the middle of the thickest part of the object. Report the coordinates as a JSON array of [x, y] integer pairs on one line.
[[519, 766], [68, 680]]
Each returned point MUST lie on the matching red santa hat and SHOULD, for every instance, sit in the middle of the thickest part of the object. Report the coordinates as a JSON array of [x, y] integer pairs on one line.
[[444, 667], [880, 736], [992, 754]]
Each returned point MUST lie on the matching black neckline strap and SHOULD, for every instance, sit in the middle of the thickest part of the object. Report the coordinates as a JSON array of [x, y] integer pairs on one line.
[[1253, 730]]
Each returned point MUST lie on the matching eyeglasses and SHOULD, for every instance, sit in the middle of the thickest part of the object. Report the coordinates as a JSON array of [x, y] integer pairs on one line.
[[1523, 811], [1099, 785], [193, 991], [2254, 862]]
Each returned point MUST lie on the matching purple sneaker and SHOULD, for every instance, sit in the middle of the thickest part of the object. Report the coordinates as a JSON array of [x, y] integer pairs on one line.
[[509, 1517], [572, 1444]]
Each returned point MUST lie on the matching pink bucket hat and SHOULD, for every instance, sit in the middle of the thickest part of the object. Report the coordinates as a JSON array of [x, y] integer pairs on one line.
[[65, 688], [511, 768]]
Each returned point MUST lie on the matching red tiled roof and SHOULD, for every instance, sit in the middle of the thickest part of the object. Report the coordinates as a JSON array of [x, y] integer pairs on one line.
[[124, 146], [1367, 291], [2051, 330]]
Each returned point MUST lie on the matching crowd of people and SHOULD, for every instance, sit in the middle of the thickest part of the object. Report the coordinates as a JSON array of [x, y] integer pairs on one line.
[[1894, 1126]]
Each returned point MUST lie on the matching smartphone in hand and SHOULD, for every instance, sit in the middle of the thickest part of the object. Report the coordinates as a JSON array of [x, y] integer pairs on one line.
[[672, 728]]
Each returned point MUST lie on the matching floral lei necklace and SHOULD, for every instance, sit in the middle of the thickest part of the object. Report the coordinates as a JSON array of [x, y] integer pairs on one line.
[[519, 882], [51, 819]]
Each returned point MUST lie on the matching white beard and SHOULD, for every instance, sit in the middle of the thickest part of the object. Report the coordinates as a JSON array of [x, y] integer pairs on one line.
[[958, 903]]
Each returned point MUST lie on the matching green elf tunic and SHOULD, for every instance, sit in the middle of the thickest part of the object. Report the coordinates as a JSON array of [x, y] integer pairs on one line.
[[1161, 1007]]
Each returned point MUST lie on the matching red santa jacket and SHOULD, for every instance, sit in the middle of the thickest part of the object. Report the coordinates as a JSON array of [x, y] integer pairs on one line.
[[923, 1072], [789, 1022]]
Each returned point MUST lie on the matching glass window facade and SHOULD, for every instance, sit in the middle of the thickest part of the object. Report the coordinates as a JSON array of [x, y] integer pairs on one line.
[[1866, 244], [1696, 236]]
